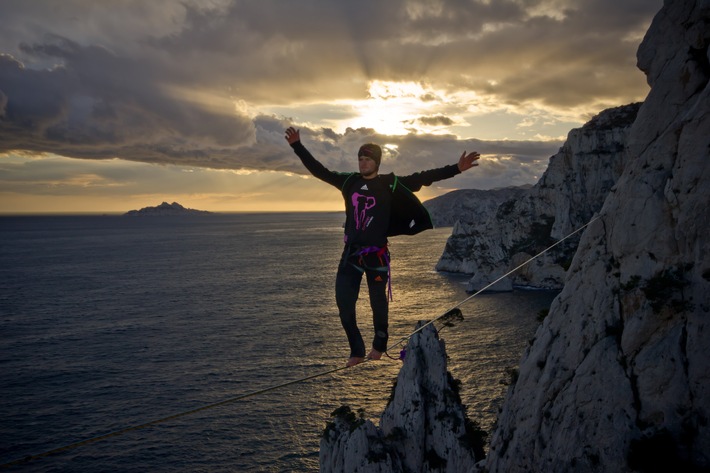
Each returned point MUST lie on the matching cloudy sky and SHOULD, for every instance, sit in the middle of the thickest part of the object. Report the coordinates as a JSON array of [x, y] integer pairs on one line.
[[111, 106]]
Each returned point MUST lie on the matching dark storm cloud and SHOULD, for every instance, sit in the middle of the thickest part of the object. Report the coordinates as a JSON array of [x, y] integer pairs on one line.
[[131, 82], [436, 120], [3, 102], [98, 105]]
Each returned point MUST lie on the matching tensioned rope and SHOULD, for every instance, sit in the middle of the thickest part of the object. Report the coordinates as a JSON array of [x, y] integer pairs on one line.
[[257, 392], [165, 419], [483, 289]]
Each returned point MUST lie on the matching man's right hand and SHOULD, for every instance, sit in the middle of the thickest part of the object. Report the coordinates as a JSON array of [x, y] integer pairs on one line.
[[292, 135]]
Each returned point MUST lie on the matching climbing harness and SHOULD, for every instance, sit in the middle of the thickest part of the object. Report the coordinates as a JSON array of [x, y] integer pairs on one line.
[[448, 314], [383, 256]]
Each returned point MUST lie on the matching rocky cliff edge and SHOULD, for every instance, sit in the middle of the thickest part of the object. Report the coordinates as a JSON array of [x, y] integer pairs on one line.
[[423, 428], [488, 243], [618, 376]]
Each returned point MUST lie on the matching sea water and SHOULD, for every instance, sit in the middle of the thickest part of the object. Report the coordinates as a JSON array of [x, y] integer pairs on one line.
[[109, 322]]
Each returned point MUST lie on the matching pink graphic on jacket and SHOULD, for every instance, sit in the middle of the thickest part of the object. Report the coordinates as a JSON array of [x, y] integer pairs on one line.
[[361, 204]]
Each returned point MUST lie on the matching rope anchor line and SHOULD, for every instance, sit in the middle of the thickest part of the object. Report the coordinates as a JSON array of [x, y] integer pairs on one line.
[[489, 285], [116, 433]]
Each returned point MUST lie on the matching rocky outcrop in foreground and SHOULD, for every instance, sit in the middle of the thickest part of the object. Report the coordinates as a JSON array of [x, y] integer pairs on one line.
[[488, 244], [618, 376], [423, 428]]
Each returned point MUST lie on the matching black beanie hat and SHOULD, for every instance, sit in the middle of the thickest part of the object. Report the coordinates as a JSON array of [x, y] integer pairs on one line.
[[371, 150]]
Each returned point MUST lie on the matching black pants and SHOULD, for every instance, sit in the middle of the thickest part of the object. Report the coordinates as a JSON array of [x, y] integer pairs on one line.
[[347, 290]]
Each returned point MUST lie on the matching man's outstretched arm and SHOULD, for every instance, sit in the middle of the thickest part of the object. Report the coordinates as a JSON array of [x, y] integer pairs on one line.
[[417, 180], [293, 136]]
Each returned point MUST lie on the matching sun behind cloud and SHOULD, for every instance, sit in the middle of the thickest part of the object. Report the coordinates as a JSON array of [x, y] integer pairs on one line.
[[400, 108]]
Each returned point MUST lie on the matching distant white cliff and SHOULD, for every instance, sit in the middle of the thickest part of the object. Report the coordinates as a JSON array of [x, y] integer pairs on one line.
[[166, 209], [470, 206], [617, 378], [502, 231]]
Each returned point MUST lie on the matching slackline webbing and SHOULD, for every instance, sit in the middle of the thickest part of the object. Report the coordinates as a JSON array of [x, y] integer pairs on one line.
[[483, 289], [165, 419], [116, 433]]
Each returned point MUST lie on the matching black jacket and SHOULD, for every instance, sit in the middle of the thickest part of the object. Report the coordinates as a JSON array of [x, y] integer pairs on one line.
[[408, 216]]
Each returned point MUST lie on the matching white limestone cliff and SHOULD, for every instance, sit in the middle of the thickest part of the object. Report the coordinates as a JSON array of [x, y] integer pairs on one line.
[[423, 428], [573, 188], [470, 205], [617, 378]]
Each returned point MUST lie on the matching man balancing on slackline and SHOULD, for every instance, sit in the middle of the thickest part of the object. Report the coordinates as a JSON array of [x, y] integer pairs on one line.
[[376, 207]]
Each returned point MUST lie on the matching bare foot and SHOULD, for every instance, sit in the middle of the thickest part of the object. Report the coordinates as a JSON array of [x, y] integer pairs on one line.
[[355, 360], [374, 355]]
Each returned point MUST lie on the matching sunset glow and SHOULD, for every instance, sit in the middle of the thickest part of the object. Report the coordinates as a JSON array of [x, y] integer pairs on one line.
[[398, 108], [115, 105]]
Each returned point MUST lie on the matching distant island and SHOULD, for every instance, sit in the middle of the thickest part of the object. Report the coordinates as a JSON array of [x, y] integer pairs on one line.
[[166, 209]]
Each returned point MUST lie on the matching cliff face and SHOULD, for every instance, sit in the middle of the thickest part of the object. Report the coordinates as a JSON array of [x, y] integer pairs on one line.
[[470, 206], [573, 188], [618, 376], [423, 428]]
